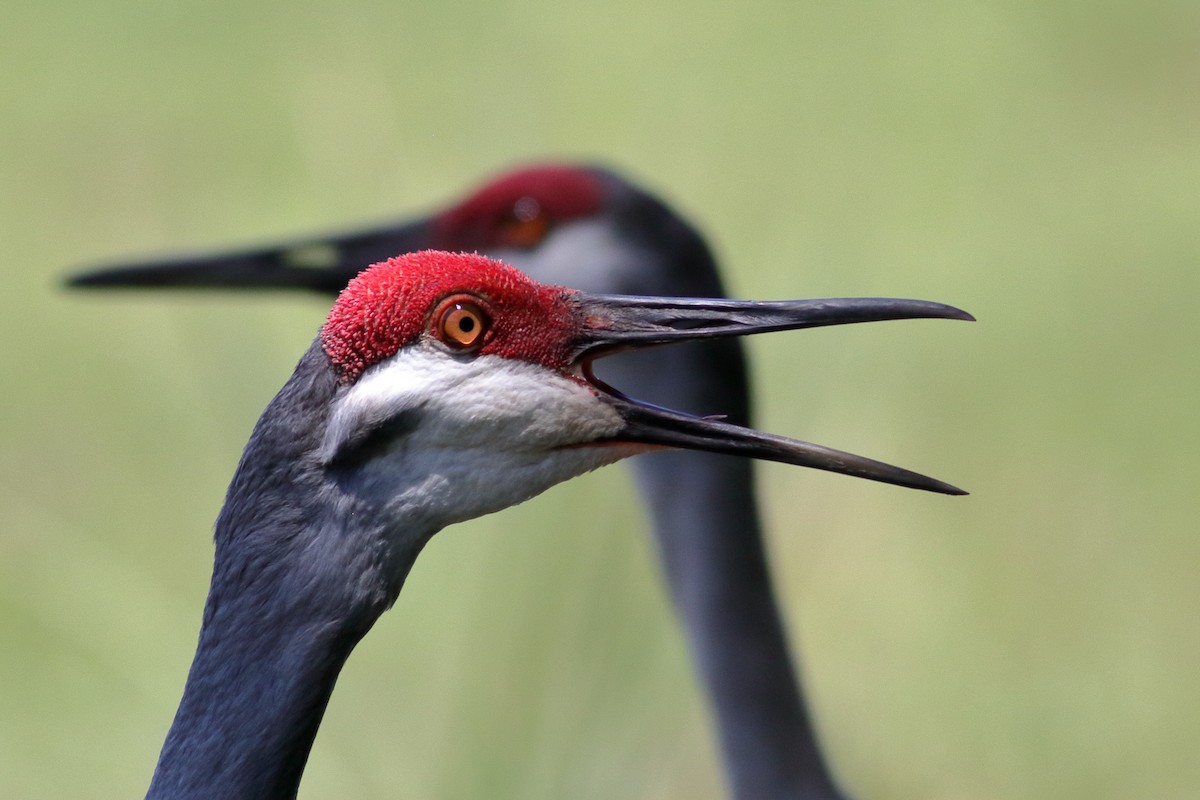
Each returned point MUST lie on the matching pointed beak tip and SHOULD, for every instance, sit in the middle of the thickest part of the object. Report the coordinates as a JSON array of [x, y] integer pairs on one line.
[[944, 311], [85, 280], [938, 487]]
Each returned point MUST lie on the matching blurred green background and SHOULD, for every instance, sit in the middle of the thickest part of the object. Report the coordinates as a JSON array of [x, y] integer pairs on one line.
[[1037, 164]]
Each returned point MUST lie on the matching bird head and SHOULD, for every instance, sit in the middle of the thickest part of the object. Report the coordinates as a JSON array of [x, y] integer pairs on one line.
[[465, 386], [568, 224], [579, 226]]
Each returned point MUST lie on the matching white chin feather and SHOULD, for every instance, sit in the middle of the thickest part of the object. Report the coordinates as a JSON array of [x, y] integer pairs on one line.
[[482, 433]]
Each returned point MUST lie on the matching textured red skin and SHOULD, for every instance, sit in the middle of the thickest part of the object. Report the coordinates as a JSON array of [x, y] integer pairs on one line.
[[390, 304], [561, 192]]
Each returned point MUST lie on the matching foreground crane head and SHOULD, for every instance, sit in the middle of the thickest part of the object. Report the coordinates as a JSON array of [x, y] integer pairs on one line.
[[463, 377], [442, 387]]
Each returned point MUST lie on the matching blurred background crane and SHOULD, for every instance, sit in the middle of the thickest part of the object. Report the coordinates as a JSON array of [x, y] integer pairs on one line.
[[1036, 164]]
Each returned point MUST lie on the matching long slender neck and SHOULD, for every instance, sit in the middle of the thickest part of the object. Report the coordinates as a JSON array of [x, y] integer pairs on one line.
[[301, 572], [714, 560], [255, 695], [710, 541]]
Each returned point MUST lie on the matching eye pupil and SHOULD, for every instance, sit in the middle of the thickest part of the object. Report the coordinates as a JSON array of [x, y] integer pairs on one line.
[[461, 324]]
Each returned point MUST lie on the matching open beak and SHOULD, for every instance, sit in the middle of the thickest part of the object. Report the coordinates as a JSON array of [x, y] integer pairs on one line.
[[614, 323], [321, 263]]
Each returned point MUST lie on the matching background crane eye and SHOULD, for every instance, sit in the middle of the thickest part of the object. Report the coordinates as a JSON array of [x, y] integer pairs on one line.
[[461, 324], [525, 224]]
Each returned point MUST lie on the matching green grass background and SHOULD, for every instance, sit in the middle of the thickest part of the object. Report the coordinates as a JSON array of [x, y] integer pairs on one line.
[[1035, 163]]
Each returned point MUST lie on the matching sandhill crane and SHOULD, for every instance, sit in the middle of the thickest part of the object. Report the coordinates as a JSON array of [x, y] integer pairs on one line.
[[593, 230]]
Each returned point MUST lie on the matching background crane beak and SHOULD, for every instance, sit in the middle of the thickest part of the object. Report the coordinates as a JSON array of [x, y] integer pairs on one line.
[[320, 263], [614, 323]]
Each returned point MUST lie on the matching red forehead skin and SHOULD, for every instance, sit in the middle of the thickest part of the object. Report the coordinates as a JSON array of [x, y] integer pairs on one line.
[[390, 304], [561, 192]]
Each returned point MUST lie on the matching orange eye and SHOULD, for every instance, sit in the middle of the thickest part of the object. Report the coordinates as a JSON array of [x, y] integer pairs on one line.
[[461, 324], [525, 225]]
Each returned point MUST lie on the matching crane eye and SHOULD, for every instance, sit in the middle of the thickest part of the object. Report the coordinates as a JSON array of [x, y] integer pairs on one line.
[[461, 324], [525, 224]]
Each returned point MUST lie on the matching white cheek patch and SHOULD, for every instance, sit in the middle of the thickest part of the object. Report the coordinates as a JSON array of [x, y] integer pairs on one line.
[[486, 432], [486, 402]]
